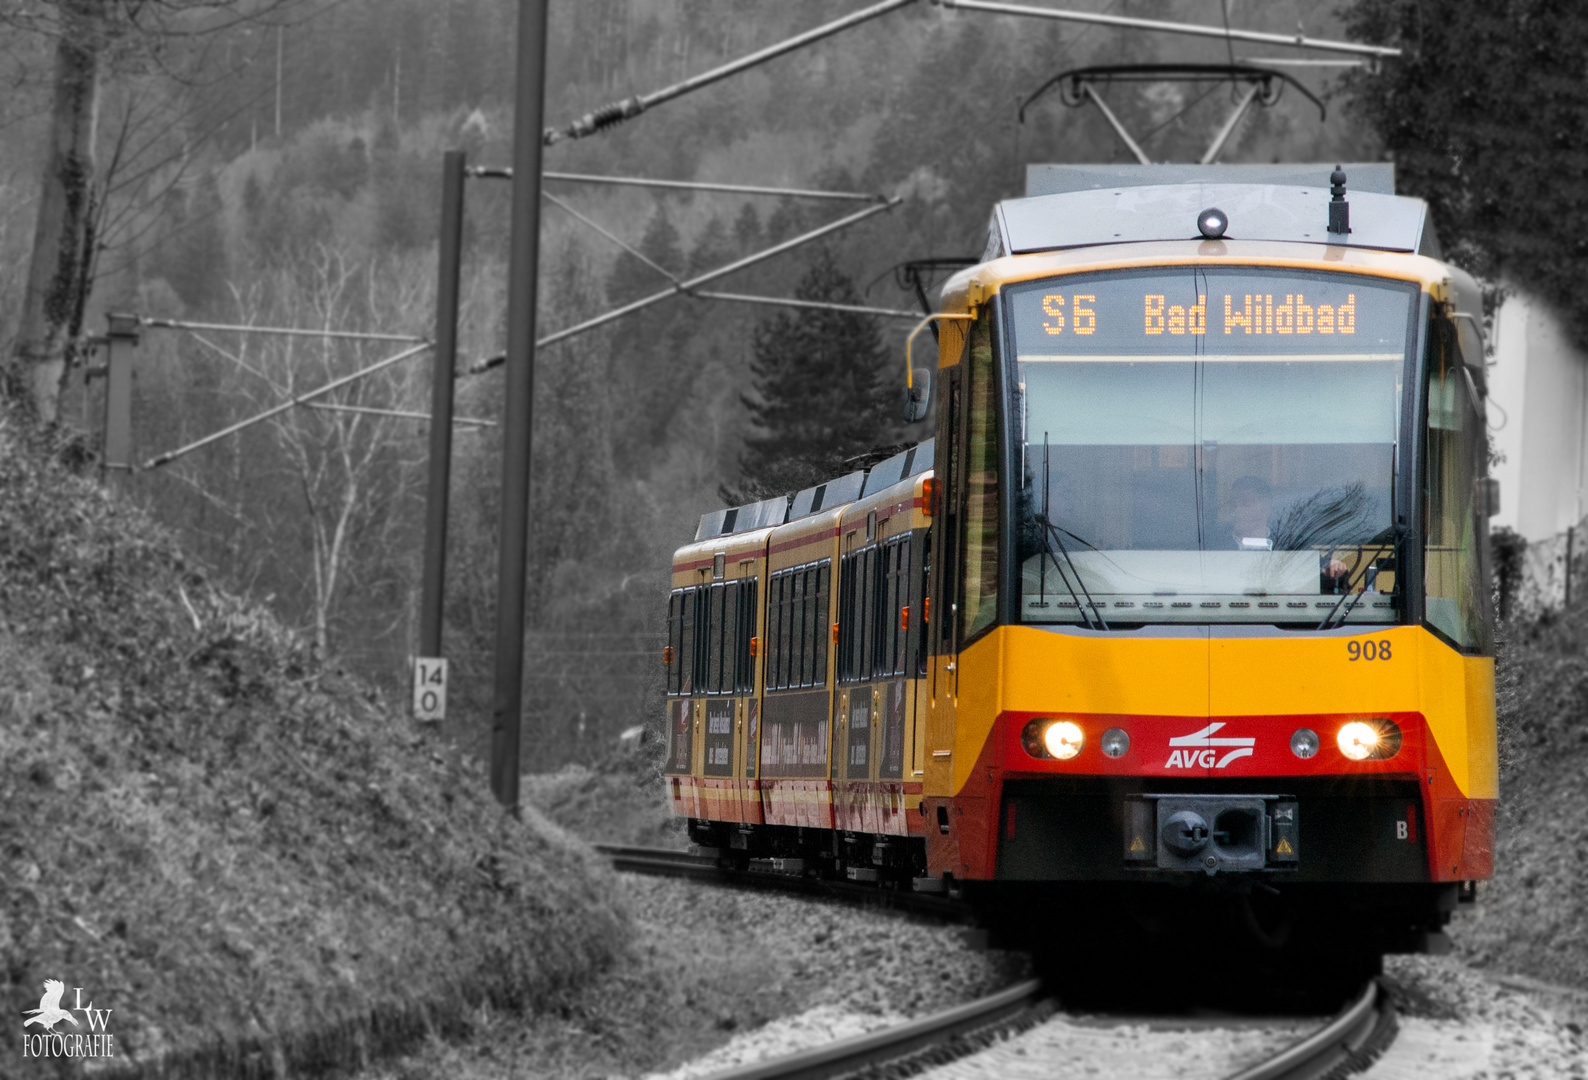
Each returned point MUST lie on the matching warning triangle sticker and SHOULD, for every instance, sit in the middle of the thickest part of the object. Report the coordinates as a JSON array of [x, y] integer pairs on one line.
[[1137, 845], [1283, 847]]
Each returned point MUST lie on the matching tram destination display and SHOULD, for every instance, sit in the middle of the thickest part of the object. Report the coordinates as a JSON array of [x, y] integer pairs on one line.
[[1199, 311]]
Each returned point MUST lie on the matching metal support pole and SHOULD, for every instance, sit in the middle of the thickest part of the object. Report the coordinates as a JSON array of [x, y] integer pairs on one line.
[[528, 111], [120, 341], [1229, 125], [441, 387], [1119, 129]]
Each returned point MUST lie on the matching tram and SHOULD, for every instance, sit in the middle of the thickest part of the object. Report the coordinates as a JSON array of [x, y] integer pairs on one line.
[[1182, 613]]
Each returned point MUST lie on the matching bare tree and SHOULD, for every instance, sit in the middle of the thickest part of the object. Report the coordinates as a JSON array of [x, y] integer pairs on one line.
[[320, 507], [88, 36]]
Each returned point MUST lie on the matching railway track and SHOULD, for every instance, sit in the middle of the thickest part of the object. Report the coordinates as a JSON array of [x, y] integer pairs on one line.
[[1346, 1044]]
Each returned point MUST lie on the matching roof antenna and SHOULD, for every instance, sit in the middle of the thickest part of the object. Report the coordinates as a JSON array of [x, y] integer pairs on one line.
[[1339, 209]]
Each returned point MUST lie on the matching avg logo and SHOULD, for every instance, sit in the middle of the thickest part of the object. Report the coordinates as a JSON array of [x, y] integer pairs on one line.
[[49, 1043]]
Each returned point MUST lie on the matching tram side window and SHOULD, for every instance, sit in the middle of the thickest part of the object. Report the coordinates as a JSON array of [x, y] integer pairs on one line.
[[675, 625], [820, 634], [686, 641], [979, 573], [700, 682], [730, 638], [898, 600], [776, 639], [713, 638], [846, 618], [779, 619], [744, 663], [1453, 573], [880, 609]]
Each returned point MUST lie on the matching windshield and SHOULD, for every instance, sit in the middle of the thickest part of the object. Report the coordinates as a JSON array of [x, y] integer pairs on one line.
[[1207, 445]]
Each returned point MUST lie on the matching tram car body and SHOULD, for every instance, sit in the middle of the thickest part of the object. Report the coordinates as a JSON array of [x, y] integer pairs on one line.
[[1190, 601]]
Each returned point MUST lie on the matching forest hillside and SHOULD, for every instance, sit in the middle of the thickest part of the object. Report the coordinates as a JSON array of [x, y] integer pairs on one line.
[[291, 179], [243, 851]]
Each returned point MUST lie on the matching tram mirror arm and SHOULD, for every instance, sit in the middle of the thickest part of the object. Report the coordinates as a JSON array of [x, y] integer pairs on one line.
[[918, 395], [918, 380]]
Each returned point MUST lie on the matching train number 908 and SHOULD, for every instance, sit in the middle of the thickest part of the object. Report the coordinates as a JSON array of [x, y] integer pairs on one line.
[[1368, 650]]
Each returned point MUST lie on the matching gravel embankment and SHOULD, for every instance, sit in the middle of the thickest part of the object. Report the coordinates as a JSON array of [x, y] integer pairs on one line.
[[721, 978], [1458, 1023], [712, 963]]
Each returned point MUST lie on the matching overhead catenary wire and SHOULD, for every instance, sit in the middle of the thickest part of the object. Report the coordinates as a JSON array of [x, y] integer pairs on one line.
[[631, 249], [1295, 41], [399, 414], [684, 288], [810, 305], [276, 410], [278, 331], [695, 185], [606, 116]]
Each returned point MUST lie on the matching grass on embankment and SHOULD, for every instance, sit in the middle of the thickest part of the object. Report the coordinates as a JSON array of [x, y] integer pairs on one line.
[[246, 857], [1532, 919]]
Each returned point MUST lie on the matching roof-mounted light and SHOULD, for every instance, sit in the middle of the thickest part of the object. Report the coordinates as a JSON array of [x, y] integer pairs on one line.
[[1212, 222]]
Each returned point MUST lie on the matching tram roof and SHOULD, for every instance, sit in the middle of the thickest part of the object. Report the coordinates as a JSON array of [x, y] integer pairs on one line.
[[1070, 206], [836, 492]]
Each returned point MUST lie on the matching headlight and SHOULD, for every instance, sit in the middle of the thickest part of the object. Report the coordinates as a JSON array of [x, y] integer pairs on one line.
[[1363, 740], [1304, 743], [1046, 737], [1115, 742], [1063, 739]]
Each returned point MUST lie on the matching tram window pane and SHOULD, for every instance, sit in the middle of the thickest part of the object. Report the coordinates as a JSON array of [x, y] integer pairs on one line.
[[807, 604], [713, 638], [846, 629], [781, 619], [897, 588], [730, 637], [750, 604], [864, 589], [1210, 445], [774, 634], [791, 629], [672, 643], [795, 630], [704, 633], [686, 637], [1457, 602], [879, 662], [979, 578], [823, 635]]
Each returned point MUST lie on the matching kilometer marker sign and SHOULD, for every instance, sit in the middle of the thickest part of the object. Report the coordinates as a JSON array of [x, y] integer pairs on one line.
[[430, 688]]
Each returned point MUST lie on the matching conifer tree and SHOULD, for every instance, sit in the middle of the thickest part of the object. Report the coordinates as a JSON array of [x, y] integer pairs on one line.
[[820, 396]]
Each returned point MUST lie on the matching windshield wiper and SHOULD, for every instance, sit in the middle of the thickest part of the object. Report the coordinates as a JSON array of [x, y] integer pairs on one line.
[[1053, 532], [1387, 539]]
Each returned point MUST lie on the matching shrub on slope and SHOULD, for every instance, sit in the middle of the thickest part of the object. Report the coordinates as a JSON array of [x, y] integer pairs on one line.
[[240, 852], [1532, 919]]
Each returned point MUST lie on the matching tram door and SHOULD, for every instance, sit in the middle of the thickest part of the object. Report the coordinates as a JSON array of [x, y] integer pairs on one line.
[[869, 746]]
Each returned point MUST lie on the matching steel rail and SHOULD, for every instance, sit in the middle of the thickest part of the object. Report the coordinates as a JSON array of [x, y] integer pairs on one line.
[[1023, 1001], [1354, 1038]]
